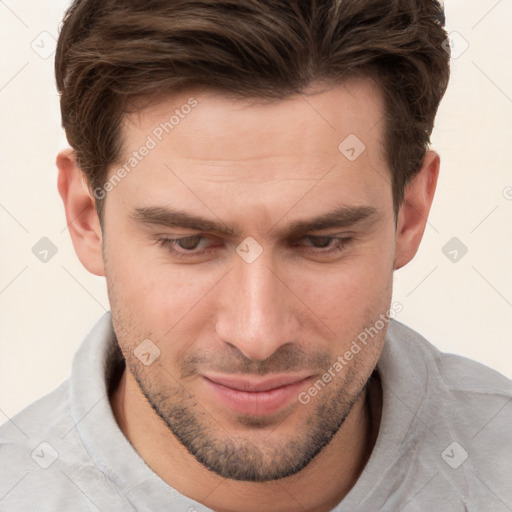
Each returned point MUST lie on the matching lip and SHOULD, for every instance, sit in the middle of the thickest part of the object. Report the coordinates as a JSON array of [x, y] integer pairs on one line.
[[256, 397]]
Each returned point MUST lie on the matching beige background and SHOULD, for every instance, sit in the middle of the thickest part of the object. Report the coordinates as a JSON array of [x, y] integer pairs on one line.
[[463, 307]]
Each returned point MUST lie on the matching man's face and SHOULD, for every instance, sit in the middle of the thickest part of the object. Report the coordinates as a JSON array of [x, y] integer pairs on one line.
[[244, 325]]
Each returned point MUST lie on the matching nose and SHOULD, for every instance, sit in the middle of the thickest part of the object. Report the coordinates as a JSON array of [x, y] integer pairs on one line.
[[256, 315]]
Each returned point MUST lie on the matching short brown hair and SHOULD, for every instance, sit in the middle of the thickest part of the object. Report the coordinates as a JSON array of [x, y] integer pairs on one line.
[[112, 51]]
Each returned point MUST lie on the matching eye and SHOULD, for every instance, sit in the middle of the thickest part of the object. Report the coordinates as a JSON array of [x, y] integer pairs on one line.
[[188, 243], [324, 245], [184, 246], [320, 241]]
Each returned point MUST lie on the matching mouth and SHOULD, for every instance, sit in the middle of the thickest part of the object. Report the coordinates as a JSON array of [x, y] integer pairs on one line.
[[256, 397]]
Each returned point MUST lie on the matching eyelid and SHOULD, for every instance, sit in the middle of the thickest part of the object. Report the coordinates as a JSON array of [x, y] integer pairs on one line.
[[208, 236], [343, 234], [296, 236]]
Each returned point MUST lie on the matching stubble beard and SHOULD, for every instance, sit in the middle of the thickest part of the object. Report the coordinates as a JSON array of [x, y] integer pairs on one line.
[[248, 457]]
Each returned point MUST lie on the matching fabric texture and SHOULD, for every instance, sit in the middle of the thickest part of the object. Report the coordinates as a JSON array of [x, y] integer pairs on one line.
[[444, 443]]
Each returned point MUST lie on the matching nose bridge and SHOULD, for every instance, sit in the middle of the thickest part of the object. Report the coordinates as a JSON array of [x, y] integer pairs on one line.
[[256, 318]]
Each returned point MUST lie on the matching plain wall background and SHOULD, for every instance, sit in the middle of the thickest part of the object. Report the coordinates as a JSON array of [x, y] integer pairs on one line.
[[463, 307]]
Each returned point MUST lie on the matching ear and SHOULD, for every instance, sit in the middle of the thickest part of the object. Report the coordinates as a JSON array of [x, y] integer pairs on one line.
[[413, 214], [81, 216]]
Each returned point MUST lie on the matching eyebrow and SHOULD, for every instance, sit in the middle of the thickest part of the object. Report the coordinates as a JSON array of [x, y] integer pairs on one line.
[[341, 217]]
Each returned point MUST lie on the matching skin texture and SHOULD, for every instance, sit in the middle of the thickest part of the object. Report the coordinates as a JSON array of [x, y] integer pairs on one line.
[[255, 168]]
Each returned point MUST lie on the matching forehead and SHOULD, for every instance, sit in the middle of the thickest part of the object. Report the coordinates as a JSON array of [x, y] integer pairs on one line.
[[207, 126], [255, 162]]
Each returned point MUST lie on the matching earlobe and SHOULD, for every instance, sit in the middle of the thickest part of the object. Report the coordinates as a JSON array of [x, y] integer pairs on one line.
[[81, 216], [413, 215]]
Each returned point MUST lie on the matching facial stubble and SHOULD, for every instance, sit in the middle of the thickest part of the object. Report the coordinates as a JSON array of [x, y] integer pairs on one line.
[[248, 457]]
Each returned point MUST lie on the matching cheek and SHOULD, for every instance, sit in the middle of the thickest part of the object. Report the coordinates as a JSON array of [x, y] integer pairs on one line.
[[349, 300], [164, 299], [349, 296], [356, 280]]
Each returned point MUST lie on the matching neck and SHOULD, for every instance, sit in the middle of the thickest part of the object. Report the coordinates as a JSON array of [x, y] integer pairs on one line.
[[319, 487]]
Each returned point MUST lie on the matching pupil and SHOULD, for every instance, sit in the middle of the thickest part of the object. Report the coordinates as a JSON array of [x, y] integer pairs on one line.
[[323, 241], [189, 242]]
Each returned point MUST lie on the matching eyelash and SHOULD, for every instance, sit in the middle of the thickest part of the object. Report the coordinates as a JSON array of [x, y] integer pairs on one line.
[[170, 245]]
